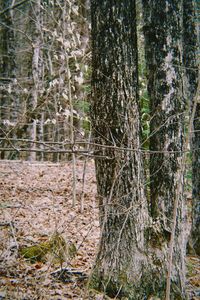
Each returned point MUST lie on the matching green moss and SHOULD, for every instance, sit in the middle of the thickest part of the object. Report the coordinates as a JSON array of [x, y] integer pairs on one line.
[[191, 267], [35, 253], [72, 251], [56, 246]]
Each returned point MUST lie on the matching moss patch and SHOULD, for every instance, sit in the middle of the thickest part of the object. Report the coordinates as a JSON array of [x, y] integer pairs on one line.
[[55, 246]]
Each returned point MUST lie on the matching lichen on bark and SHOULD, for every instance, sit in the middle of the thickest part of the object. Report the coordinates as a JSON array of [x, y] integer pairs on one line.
[[132, 257], [116, 125], [164, 52]]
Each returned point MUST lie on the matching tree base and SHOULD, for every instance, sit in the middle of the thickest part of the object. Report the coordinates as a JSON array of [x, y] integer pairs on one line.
[[149, 286]]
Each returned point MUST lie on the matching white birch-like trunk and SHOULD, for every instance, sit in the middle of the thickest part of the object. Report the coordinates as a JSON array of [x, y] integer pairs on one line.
[[36, 74]]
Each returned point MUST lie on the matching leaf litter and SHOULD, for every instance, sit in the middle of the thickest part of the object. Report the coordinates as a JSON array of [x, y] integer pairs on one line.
[[36, 203]]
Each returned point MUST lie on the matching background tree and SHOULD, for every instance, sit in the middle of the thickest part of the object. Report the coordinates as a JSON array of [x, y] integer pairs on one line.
[[7, 66], [50, 53], [191, 63]]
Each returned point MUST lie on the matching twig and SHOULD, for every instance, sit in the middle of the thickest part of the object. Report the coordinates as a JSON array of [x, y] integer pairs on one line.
[[84, 238], [84, 173], [71, 132], [92, 144], [13, 6], [46, 151], [13, 234]]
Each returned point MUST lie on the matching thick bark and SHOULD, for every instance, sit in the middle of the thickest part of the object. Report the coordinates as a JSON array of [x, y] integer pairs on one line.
[[132, 255], [192, 75], [163, 47], [115, 120]]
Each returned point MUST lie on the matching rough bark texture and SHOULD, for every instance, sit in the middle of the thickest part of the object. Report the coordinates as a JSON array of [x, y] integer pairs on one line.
[[132, 255], [115, 118], [191, 63], [196, 184], [163, 46], [7, 66]]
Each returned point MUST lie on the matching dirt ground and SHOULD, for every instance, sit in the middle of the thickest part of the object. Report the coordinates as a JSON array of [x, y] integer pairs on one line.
[[36, 203]]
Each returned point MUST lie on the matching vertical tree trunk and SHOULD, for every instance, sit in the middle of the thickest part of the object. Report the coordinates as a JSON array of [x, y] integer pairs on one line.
[[7, 69], [115, 119], [131, 260], [132, 255], [36, 70], [196, 183], [163, 46], [191, 47]]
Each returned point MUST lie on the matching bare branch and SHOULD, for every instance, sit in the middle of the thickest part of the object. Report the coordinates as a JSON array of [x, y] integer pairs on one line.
[[13, 7]]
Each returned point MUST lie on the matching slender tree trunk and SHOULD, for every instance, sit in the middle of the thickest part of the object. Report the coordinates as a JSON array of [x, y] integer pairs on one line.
[[7, 69], [36, 70], [191, 47], [163, 46]]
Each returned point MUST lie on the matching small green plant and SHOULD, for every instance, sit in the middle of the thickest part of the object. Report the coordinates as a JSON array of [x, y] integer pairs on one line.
[[82, 106]]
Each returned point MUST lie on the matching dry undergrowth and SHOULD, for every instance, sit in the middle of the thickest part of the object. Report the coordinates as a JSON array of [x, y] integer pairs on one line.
[[35, 203]]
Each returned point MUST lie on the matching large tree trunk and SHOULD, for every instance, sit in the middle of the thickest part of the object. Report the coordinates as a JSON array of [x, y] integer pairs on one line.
[[191, 47], [115, 119], [132, 255], [163, 46]]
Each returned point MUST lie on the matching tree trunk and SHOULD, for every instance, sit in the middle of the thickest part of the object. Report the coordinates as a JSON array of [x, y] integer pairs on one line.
[[163, 47], [115, 119], [7, 70], [36, 70], [192, 75], [132, 256], [195, 234]]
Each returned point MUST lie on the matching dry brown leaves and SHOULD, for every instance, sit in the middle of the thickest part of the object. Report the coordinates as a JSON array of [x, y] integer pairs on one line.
[[36, 202]]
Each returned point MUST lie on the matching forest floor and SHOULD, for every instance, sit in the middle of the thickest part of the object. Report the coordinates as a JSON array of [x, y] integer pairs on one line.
[[36, 203]]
